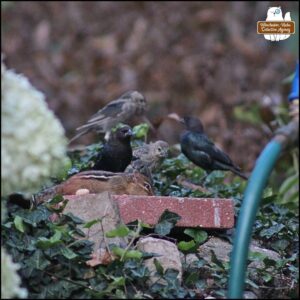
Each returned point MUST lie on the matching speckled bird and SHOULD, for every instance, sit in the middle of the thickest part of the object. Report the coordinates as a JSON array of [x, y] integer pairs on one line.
[[147, 158]]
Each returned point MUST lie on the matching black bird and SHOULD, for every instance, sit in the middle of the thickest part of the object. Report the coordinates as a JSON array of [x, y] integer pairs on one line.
[[198, 148], [116, 154], [117, 111]]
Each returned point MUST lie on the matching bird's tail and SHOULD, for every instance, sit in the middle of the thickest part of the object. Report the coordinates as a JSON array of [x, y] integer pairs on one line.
[[79, 134], [238, 172]]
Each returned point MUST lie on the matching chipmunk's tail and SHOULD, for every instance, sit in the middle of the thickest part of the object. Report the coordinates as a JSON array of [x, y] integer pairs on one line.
[[45, 195]]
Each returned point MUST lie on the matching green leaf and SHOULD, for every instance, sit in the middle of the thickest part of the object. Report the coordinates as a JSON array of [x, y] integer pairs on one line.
[[267, 277], [159, 267], [56, 199], [38, 260], [120, 231], [186, 246], [68, 253], [289, 183], [268, 232], [140, 131], [198, 235], [18, 221], [140, 272], [166, 222], [75, 219], [127, 254], [280, 245], [41, 213], [91, 223], [269, 262], [257, 256], [45, 243], [251, 283], [192, 278]]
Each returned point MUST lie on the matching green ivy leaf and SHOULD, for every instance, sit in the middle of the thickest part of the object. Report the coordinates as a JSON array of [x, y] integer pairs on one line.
[[18, 221], [120, 231], [89, 224], [135, 254], [200, 236], [166, 222], [267, 277], [257, 256], [186, 246], [269, 232], [141, 130], [159, 267], [44, 243], [68, 253]]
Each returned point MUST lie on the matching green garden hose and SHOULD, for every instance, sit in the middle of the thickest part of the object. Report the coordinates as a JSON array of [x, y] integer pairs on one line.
[[285, 136]]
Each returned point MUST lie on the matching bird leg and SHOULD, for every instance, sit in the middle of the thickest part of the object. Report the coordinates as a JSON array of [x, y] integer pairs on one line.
[[203, 178]]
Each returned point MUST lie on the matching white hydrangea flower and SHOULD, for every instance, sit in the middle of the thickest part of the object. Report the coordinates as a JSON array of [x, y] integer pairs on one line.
[[33, 141], [10, 280]]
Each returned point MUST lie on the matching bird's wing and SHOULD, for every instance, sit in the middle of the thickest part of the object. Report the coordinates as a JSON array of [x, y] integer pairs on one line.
[[201, 156], [218, 154], [112, 109], [119, 110], [139, 152], [214, 152]]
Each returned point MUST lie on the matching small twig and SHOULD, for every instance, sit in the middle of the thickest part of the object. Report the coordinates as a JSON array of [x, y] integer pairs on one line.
[[70, 280], [192, 186], [136, 234]]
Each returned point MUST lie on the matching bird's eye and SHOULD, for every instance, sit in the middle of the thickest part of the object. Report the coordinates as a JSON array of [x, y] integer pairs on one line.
[[277, 11], [159, 149]]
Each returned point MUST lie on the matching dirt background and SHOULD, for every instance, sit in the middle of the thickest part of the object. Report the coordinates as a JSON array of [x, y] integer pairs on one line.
[[201, 58]]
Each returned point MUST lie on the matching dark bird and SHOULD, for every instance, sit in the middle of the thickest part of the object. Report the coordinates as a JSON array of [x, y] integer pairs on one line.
[[94, 182], [116, 154], [117, 111], [147, 158], [198, 148]]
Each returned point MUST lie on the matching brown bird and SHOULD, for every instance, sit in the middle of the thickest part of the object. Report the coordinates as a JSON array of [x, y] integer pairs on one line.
[[117, 111], [97, 182], [147, 158]]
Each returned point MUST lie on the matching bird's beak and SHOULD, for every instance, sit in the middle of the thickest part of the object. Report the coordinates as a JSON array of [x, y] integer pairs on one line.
[[165, 154], [129, 133], [175, 117]]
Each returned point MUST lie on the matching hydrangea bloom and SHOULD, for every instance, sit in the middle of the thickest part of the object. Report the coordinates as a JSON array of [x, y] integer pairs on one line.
[[10, 280], [33, 141]]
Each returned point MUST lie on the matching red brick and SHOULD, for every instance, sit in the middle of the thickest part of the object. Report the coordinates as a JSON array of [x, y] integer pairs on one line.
[[194, 212]]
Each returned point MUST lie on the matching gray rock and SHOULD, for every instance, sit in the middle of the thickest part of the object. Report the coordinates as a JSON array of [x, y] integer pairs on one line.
[[98, 206], [169, 256]]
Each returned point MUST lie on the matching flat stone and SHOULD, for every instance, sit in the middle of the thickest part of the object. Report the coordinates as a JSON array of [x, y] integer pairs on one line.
[[169, 257], [194, 212], [95, 207]]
